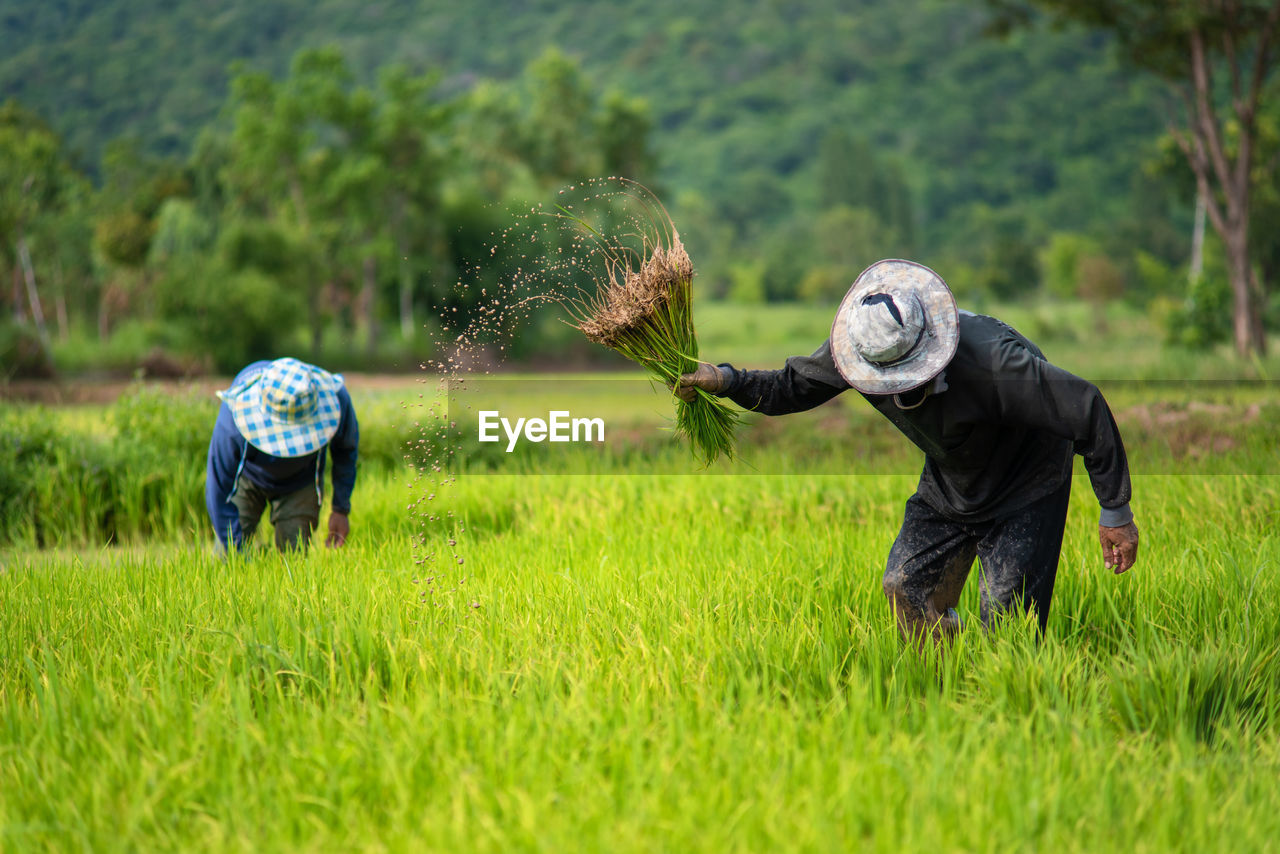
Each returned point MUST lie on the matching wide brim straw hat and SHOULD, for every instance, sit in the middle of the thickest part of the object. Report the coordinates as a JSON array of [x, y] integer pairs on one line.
[[289, 409], [896, 328]]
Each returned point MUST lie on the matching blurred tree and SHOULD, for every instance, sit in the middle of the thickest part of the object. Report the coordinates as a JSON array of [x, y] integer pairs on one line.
[[232, 316], [61, 244], [1101, 281], [1189, 43], [1203, 318], [37, 185], [623, 128], [181, 232], [1264, 239], [124, 238], [746, 282], [1010, 269], [489, 134], [135, 186], [354, 183], [850, 174], [845, 172], [786, 252], [847, 240], [412, 138], [355, 202], [967, 119], [1060, 262], [759, 202], [285, 149], [560, 134], [709, 240], [233, 299]]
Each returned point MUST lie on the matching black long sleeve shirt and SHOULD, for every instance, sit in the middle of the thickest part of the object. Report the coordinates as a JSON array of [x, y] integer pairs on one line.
[[998, 432]]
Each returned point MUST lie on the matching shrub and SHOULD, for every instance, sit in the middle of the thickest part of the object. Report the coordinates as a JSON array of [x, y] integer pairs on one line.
[[233, 317], [1204, 318], [162, 423], [136, 469], [60, 485], [51, 482], [22, 354]]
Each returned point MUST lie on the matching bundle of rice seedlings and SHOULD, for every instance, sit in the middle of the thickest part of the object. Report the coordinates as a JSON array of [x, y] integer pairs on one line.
[[643, 309]]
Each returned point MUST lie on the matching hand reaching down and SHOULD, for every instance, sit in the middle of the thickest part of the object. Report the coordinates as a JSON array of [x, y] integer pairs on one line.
[[1119, 546]]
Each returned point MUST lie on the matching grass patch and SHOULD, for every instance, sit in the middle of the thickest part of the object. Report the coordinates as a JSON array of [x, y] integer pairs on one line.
[[715, 670], [629, 658]]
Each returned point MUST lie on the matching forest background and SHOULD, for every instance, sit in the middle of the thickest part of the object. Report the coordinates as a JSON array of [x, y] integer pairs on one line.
[[186, 187]]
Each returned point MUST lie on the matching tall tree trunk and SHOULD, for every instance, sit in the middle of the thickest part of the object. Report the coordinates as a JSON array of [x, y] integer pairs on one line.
[[1238, 272], [33, 296], [1228, 172], [1246, 303]]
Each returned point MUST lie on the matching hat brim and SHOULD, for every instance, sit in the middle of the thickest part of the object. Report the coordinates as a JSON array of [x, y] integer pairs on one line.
[[935, 349], [284, 438]]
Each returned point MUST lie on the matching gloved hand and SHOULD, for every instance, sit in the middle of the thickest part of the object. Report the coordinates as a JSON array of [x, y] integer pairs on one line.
[[707, 377]]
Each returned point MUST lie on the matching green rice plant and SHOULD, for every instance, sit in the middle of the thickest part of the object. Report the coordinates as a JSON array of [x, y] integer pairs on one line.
[[642, 308], [596, 677]]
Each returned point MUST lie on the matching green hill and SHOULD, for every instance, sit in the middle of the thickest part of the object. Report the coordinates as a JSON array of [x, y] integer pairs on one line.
[[1041, 133]]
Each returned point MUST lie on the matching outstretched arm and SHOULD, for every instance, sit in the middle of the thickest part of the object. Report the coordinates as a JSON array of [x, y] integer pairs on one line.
[[803, 383]]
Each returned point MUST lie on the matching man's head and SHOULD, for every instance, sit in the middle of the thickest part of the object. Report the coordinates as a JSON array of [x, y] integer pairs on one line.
[[896, 328], [289, 409]]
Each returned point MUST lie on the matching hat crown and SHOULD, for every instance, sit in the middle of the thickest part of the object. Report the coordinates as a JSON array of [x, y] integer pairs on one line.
[[887, 325], [289, 391]]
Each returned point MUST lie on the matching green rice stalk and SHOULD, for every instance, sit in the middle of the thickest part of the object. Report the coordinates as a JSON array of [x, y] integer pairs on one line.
[[643, 309]]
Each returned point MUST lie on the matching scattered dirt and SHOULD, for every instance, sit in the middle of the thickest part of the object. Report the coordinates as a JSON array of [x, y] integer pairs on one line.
[[1193, 429], [1163, 414]]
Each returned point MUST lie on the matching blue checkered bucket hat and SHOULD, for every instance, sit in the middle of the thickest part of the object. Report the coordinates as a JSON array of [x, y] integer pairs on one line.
[[290, 409]]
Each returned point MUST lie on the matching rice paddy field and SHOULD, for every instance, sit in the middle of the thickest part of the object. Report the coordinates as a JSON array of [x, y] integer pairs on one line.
[[611, 650]]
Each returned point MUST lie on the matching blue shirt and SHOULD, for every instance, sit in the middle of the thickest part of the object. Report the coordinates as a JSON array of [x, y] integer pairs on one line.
[[231, 456]]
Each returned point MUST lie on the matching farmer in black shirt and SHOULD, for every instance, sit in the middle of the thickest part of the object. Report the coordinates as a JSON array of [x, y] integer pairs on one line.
[[998, 424]]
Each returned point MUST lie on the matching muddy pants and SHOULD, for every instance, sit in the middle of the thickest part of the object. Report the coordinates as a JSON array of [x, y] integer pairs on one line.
[[294, 515], [931, 558]]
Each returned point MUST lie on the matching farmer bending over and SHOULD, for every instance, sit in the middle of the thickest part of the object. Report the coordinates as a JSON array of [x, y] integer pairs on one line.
[[998, 425], [268, 447]]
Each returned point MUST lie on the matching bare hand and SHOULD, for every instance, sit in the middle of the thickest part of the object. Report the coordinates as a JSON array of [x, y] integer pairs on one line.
[[1119, 546], [339, 527], [707, 377]]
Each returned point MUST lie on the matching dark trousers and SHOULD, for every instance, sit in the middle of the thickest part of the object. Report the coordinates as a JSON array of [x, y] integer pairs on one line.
[[294, 515], [931, 558]]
